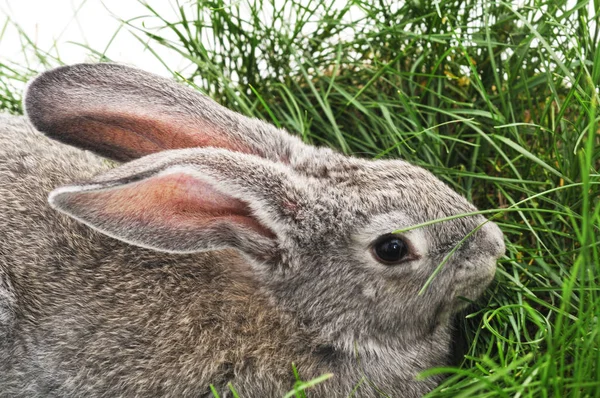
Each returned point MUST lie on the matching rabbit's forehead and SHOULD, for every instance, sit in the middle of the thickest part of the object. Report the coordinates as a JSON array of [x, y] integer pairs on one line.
[[386, 186], [383, 196], [391, 179], [438, 236]]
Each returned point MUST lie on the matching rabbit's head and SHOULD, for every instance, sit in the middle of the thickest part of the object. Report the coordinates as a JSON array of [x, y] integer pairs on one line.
[[316, 226]]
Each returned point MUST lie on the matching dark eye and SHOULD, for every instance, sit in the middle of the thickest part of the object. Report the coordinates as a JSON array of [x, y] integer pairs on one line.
[[390, 249]]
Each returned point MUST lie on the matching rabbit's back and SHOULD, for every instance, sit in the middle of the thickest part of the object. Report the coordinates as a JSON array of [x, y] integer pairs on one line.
[[84, 314], [31, 165]]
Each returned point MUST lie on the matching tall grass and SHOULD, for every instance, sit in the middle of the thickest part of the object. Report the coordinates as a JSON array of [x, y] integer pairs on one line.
[[497, 99]]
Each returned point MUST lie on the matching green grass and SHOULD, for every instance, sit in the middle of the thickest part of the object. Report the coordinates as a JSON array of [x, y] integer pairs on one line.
[[497, 99]]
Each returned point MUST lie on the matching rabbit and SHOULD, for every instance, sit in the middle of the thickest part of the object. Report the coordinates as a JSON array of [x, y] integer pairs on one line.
[[155, 243]]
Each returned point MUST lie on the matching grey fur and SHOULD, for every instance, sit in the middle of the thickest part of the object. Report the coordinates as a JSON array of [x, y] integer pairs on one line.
[[177, 309]]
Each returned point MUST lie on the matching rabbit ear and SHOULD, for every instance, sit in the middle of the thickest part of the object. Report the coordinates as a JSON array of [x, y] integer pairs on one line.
[[124, 113], [186, 201]]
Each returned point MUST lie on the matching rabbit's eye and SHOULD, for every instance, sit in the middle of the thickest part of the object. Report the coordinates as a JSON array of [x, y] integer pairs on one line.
[[390, 249]]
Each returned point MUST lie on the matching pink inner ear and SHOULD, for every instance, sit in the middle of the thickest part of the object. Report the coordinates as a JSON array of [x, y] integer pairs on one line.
[[176, 201], [125, 135]]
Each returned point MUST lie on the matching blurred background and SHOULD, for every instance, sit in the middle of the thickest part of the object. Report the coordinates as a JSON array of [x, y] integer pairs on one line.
[[498, 99]]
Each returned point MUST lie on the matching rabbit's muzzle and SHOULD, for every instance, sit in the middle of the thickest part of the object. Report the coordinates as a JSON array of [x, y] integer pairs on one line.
[[493, 240], [475, 265]]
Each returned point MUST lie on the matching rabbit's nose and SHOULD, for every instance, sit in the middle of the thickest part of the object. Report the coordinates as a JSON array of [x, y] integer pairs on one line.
[[494, 240]]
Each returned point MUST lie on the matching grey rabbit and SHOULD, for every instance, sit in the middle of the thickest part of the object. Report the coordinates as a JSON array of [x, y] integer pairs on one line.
[[221, 250]]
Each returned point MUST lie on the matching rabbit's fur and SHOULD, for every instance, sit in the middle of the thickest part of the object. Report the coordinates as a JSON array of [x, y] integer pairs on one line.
[[225, 251]]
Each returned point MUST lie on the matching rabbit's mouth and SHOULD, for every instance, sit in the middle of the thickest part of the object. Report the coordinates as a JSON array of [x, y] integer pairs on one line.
[[472, 280]]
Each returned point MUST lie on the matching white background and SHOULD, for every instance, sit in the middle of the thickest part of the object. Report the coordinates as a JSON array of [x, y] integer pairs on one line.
[[56, 25]]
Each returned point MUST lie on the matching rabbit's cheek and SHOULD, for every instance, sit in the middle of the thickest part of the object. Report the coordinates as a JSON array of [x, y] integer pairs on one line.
[[369, 292], [8, 303]]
